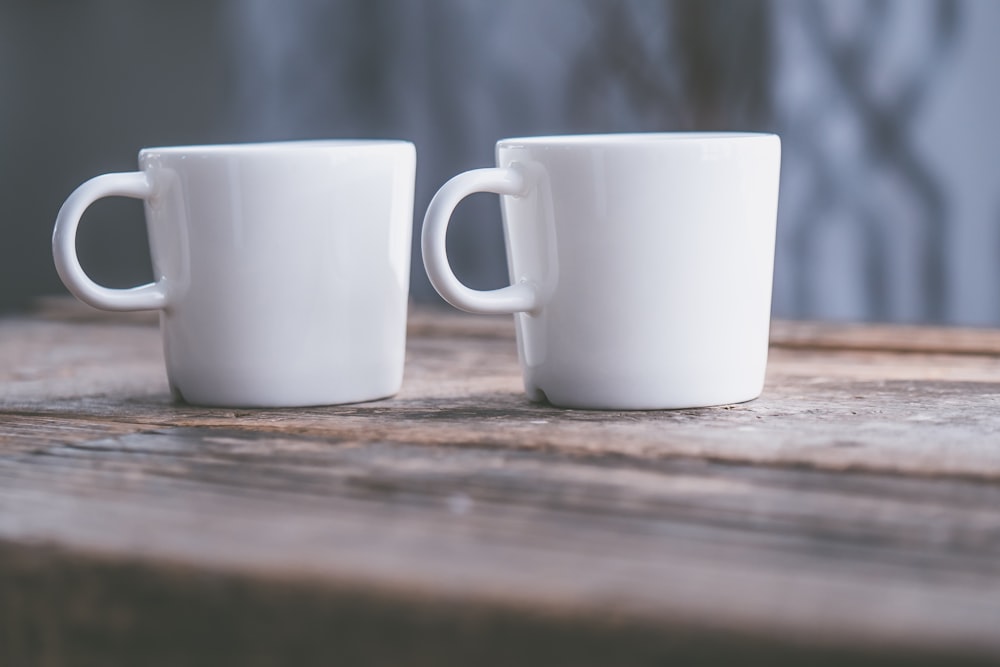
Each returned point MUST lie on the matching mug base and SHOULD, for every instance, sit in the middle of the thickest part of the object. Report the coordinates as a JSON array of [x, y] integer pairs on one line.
[[638, 402], [265, 401]]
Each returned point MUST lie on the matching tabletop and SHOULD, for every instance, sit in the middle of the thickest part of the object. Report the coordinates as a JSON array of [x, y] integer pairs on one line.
[[852, 512]]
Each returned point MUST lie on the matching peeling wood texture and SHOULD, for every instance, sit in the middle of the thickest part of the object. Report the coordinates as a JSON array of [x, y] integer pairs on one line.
[[852, 513]]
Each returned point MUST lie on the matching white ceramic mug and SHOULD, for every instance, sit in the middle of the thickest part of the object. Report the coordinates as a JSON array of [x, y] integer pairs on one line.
[[281, 269], [641, 264]]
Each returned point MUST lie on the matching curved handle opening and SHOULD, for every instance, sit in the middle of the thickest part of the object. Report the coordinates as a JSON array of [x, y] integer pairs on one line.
[[151, 296], [522, 297]]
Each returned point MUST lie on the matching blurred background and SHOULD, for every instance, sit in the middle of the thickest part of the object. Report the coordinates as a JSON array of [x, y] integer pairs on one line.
[[890, 202]]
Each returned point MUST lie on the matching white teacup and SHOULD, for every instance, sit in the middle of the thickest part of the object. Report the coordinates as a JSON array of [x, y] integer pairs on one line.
[[282, 269], [641, 264]]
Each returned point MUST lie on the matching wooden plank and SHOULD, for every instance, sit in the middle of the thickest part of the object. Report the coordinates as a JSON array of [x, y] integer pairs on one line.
[[912, 413], [894, 337], [173, 615], [853, 510], [785, 555]]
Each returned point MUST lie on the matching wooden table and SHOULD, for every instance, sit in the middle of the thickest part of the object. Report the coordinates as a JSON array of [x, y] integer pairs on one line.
[[850, 513]]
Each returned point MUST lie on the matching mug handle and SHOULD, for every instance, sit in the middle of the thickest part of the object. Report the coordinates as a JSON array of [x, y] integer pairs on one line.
[[152, 296], [522, 297]]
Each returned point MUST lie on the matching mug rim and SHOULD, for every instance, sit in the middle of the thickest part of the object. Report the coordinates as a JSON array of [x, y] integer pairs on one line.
[[275, 146], [629, 138]]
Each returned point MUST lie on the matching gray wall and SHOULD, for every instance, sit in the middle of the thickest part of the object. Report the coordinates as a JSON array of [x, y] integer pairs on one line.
[[890, 207]]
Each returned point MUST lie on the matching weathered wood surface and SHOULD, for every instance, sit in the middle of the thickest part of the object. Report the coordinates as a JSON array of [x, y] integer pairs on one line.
[[853, 511]]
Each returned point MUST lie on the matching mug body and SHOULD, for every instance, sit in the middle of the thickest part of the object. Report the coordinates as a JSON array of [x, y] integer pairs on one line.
[[286, 269], [654, 255]]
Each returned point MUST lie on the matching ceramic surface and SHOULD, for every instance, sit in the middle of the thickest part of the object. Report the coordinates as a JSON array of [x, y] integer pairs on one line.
[[641, 265], [282, 269]]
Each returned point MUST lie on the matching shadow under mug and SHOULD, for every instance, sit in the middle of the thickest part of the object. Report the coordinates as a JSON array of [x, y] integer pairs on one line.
[[641, 264], [281, 269]]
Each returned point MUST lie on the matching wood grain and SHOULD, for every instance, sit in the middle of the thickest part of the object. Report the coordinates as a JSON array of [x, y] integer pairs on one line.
[[850, 513]]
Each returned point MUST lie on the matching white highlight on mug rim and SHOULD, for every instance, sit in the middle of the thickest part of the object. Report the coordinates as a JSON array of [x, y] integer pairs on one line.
[[276, 146], [627, 138]]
